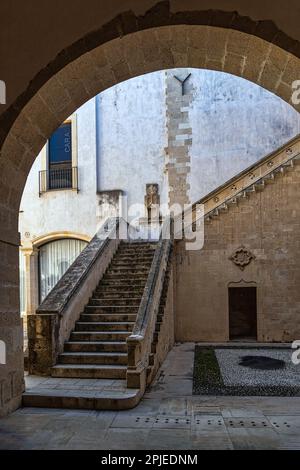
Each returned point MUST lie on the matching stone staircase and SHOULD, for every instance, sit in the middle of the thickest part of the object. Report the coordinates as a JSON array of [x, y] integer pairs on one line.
[[247, 191], [249, 181], [97, 355], [97, 347]]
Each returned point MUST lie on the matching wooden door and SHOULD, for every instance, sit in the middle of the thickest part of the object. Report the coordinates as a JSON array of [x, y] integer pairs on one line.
[[242, 313]]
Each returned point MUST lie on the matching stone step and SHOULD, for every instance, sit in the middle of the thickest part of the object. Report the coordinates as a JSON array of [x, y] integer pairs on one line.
[[138, 250], [125, 281], [138, 242], [133, 258], [128, 260], [108, 309], [131, 261], [104, 317], [111, 358], [81, 371], [113, 294], [137, 246], [132, 267], [104, 326], [80, 399], [132, 270], [95, 346], [135, 254], [121, 277], [109, 336], [121, 259], [125, 284], [106, 301], [128, 271]]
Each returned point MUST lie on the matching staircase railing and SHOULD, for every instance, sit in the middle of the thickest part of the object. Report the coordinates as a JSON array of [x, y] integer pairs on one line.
[[251, 176], [55, 318], [140, 341]]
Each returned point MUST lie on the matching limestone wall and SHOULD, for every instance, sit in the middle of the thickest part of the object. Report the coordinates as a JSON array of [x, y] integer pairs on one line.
[[11, 373], [268, 225]]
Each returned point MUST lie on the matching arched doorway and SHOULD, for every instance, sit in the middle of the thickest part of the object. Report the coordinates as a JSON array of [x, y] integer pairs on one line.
[[54, 259], [42, 264], [58, 249]]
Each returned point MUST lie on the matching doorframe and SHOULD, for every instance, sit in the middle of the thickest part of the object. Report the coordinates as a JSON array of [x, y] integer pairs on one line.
[[242, 283]]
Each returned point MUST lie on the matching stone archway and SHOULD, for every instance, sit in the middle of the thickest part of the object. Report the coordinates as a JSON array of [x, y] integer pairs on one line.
[[73, 82], [50, 237], [30, 251], [118, 60]]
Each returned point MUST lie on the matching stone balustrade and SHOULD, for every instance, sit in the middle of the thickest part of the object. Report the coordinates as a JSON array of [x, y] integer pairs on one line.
[[55, 318], [140, 341], [250, 176]]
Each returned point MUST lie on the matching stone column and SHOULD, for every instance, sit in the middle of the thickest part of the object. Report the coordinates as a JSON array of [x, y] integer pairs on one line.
[[31, 280], [31, 289]]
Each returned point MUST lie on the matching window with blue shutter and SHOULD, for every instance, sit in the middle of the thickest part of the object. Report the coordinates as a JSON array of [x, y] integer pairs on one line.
[[60, 145], [60, 158]]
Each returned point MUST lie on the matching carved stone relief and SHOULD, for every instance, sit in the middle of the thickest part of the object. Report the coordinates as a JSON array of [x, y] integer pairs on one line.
[[242, 257]]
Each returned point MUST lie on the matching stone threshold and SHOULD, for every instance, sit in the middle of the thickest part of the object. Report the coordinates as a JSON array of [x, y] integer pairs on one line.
[[88, 394]]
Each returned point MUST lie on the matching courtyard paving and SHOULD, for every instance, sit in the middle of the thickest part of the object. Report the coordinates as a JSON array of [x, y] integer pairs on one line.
[[168, 417]]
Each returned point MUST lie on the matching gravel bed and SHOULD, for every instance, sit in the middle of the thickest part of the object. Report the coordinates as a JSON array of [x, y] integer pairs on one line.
[[234, 374], [217, 372]]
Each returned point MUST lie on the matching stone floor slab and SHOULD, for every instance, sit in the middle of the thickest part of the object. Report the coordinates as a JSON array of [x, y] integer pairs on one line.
[[161, 421]]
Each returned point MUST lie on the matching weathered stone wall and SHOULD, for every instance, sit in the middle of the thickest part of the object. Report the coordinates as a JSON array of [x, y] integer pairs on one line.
[[132, 137], [61, 211], [190, 143], [234, 123], [178, 101], [165, 339], [11, 373], [268, 225]]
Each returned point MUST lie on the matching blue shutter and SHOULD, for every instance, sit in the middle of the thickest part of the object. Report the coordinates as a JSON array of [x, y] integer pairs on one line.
[[60, 145]]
